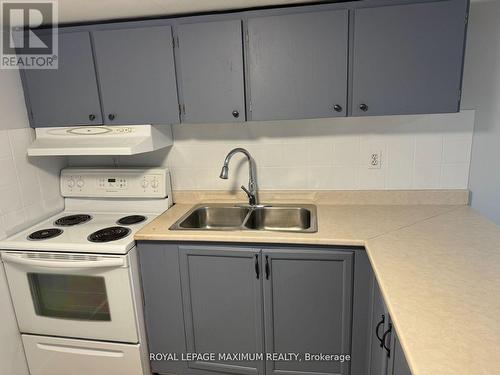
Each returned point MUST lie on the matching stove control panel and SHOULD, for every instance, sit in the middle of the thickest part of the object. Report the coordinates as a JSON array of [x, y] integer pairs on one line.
[[117, 182]]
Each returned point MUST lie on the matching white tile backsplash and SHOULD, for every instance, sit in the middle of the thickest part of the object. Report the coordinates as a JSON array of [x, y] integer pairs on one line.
[[29, 187], [418, 152]]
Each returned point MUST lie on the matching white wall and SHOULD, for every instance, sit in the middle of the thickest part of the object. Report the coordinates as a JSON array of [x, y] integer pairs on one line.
[[418, 152], [482, 92], [29, 187], [29, 190]]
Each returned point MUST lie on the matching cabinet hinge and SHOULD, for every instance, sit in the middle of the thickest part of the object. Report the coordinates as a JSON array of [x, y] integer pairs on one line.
[[250, 106], [459, 95], [466, 18], [180, 109], [247, 37], [183, 109], [177, 41]]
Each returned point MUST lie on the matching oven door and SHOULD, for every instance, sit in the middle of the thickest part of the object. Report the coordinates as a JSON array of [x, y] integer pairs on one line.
[[72, 295]]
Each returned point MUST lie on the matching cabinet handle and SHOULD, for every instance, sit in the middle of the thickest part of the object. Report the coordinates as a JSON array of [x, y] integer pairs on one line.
[[337, 108], [111, 116], [257, 267], [382, 321], [268, 270], [363, 107], [384, 336], [236, 114], [91, 117]]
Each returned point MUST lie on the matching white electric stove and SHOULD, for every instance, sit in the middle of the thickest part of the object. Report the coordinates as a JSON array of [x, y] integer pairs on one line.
[[103, 210], [74, 277]]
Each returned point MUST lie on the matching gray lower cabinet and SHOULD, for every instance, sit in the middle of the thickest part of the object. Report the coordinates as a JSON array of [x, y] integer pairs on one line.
[[386, 354], [397, 362], [210, 72], [137, 75], [379, 323], [67, 95], [222, 306], [238, 299], [161, 285], [297, 65], [307, 308], [408, 59]]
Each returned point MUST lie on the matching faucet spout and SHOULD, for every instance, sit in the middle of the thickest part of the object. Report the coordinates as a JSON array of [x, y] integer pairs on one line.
[[252, 183]]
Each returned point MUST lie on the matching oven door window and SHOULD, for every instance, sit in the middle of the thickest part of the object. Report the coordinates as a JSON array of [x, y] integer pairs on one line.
[[69, 296]]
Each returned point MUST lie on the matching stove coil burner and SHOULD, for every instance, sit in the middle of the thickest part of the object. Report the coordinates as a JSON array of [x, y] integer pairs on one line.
[[109, 234], [132, 219], [45, 234], [68, 221]]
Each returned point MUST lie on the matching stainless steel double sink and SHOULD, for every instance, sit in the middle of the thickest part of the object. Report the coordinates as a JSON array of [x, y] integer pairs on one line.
[[226, 217]]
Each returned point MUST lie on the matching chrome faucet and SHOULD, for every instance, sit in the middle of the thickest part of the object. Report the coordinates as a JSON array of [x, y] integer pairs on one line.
[[252, 184]]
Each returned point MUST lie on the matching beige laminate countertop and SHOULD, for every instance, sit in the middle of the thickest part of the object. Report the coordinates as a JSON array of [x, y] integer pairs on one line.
[[438, 267]]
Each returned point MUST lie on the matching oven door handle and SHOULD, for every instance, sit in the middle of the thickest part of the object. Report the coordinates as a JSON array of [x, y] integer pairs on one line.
[[115, 262]]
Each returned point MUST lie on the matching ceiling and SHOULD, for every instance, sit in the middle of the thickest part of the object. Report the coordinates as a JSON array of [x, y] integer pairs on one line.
[[74, 11]]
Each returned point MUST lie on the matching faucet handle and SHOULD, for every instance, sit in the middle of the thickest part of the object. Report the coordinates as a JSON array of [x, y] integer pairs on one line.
[[252, 199], [246, 191]]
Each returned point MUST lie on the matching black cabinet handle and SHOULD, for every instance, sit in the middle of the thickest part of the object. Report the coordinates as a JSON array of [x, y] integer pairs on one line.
[[363, 107], [337, 108], [268, 270], [236, 114], [257, 267], [384, 336], [91, 117], [382, 321], [111, 116]]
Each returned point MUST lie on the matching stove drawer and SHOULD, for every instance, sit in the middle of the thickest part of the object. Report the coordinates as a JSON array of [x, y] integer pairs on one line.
[[57, 356]]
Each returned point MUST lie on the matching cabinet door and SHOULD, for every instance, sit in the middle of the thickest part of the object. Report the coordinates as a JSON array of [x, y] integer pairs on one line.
[[222, 307], [307, 308], [211, 72], [379, 325], [67, 95], [298, 65], [397, 362], [137, 75], [161, 283], [408, 58]]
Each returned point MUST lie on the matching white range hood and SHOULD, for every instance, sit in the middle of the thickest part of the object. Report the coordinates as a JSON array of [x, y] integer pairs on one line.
[[100, 140]]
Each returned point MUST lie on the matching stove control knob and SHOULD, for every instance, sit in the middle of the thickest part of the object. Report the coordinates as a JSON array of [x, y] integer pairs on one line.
[[154, 184], [71, 183], [80, 183], [145, 184]]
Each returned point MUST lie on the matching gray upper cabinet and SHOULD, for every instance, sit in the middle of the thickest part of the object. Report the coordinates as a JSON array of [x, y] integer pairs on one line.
[[137, 75], [408, 58], [210, 72], [357, 58], [297, 65], [307, 308], [67, 95], [222, 306]]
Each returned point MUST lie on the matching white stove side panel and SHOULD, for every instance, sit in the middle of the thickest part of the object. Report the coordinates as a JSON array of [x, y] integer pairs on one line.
[[12, 358]]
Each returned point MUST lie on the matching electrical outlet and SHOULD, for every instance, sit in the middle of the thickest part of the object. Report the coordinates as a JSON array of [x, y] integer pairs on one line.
[[375, 161]]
